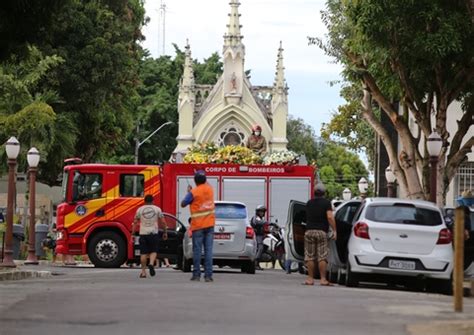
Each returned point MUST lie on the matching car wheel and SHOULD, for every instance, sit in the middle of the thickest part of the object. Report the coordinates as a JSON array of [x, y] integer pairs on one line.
[[186, 265], [352, 279], [250, 267], [440, 286], [107, 249]]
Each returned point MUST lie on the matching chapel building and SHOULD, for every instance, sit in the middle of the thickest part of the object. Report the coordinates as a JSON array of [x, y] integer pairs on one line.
[[224, 113]]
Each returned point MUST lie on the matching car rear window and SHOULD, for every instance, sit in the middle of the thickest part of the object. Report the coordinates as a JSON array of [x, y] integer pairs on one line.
[[231, 211], [404, 214]]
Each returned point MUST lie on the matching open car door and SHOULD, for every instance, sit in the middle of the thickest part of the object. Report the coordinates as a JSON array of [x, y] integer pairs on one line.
[[343, 215], [295, 229]]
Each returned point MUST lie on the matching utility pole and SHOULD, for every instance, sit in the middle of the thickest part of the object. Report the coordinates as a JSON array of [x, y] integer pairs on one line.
[[162, 28]]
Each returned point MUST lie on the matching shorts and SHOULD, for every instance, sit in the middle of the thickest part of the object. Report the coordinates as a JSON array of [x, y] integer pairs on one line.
[[148, 244], [315, 245]]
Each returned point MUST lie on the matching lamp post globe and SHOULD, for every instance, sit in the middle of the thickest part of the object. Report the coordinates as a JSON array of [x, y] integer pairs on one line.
[[363, 186], [346, 194], [12, 148], [33, 158], [434, 144], [391, 178]]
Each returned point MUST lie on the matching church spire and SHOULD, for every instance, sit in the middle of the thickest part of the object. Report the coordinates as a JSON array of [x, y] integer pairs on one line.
[[186, 104], [233, 36], [280, 83], [279, 106], [187, 81]]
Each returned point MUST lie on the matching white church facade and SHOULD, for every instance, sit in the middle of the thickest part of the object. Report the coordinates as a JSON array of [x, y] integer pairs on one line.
[[224, 113]]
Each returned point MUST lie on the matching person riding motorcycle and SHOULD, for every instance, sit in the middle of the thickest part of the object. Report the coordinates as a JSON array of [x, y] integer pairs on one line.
[[258, 223]]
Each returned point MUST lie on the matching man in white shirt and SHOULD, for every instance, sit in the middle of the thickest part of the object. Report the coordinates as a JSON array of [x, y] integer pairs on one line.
[[149, 215]]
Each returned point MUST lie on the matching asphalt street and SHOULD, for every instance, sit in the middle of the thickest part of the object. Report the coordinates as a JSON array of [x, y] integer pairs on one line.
[[86, 300]]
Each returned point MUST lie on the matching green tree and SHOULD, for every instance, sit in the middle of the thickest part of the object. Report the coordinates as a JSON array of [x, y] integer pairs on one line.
[[338, 167], [302, 138], [25, 112], [347, 126], [158, 93], [419, 54], [99, 42], [348, 168], [96, 83]]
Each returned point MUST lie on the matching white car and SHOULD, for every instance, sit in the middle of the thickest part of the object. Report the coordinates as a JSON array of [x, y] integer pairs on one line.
[[389, 238], [234, 239]]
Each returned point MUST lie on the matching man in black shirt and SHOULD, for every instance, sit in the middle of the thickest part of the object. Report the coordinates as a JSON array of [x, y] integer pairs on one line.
[[319, 216]]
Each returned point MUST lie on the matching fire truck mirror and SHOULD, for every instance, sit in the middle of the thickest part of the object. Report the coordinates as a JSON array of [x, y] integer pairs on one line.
[[77, 184]]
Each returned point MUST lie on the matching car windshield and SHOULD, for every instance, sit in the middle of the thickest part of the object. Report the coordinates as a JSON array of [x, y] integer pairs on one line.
[[404, 214], [231, 211]]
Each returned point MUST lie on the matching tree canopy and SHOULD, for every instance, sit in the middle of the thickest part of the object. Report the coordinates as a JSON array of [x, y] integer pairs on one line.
[[88, 55], [338, 168], [417, 55]]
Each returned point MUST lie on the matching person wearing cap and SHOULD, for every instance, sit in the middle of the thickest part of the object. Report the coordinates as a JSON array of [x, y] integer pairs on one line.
[[257, 142], [257, 222], [319, 216], [149, 216], [202, 208]]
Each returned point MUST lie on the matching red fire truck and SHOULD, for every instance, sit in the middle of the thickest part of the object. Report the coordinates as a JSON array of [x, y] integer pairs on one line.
[[99, 202]]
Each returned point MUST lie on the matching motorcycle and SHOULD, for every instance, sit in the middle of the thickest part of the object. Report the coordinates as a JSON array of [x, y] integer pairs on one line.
[[274, 247]]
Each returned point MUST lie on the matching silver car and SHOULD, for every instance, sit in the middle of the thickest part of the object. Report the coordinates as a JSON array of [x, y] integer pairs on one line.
[[234, 239]]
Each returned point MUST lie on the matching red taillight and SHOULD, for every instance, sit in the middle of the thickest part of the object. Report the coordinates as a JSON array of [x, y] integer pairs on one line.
[[249, 233], [445, 236], [361, 230]]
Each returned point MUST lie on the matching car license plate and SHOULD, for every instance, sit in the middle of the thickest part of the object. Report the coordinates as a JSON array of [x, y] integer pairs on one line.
[[402, 265], [222, 236]]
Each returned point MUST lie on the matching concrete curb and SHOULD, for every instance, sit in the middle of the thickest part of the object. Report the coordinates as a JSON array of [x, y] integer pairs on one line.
[[22, 274]]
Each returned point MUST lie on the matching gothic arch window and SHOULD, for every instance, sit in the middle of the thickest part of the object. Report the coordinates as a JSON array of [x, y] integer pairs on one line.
[[231, 135]]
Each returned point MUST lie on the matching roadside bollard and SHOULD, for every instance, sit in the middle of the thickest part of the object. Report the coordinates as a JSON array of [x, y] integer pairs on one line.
[[41, 232], [18, 237]]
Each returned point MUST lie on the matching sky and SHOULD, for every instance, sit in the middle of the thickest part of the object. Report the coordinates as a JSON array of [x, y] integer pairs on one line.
[[264, 24]]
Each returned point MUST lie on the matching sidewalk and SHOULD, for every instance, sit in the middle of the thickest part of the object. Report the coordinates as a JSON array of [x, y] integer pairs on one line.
[[455, 327], [23, 271]]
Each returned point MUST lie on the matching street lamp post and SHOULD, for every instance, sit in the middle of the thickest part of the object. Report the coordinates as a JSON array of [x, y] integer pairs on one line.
[[390, 176], [346, 194], [434, 144], [33, 161], [138, 144], [12, 148], [363, 186]]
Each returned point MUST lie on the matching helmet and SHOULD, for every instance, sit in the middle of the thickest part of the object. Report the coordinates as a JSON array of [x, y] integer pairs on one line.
[[261, 208], [256, 128]]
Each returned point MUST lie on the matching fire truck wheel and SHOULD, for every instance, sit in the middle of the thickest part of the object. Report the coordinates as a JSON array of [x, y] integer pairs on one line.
[[107, 250], [186, 265]]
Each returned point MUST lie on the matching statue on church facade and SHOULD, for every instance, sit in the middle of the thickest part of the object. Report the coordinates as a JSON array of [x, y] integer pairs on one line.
[[257, 142], [233, 82]]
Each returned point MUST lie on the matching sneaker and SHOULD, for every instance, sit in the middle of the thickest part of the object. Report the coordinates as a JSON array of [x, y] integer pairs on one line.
[[152, 270], [208, 279], [195, 278]]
